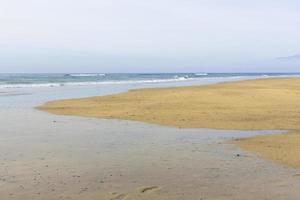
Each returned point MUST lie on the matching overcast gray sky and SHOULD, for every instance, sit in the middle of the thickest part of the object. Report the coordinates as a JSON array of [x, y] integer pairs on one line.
[[149, 36]]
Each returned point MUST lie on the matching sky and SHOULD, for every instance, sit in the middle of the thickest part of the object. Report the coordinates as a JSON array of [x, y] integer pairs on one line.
[[149, 36]]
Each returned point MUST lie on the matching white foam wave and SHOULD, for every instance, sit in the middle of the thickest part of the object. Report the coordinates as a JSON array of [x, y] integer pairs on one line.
[[200, 74], [86, 75], [40, 85]]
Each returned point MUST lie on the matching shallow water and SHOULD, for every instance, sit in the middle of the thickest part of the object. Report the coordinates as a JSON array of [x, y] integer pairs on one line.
[[30, 97]]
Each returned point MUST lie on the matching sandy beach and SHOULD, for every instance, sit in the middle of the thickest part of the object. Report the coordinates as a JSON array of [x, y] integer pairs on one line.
[[264, 104], [50, 156]]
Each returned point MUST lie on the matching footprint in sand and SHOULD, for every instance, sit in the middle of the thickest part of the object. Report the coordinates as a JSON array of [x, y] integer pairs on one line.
[[296, 175], [148, 189]]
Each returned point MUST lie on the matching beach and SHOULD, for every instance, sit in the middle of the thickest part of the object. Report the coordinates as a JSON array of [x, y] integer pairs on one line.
[[63, 156], [264, 104]]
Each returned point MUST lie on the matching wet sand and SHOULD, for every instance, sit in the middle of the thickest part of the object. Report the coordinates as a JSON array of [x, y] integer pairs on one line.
[[263, 104], [55, 157]]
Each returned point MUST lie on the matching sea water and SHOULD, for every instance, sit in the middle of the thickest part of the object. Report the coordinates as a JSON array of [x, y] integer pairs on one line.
[[80, 79], [29, 90]]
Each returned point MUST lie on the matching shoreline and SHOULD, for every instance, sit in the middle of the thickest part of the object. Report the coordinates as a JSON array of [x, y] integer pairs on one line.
[[260, 104]]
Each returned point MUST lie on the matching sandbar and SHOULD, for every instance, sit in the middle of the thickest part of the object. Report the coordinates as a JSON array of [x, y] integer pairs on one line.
[[262, 104]]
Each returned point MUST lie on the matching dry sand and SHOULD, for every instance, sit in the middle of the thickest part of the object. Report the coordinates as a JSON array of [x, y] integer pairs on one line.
[[264, 104]]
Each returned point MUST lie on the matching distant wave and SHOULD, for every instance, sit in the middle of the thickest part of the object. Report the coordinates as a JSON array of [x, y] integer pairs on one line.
[[40, 85], [85, 75], [181, 77], [200, 74], [135, 80]]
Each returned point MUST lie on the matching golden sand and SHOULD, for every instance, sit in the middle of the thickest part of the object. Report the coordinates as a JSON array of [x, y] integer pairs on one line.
[[264, 104], [282, 148]]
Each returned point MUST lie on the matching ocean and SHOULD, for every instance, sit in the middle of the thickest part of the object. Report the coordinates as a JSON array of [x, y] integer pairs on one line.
[[84, 79]]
